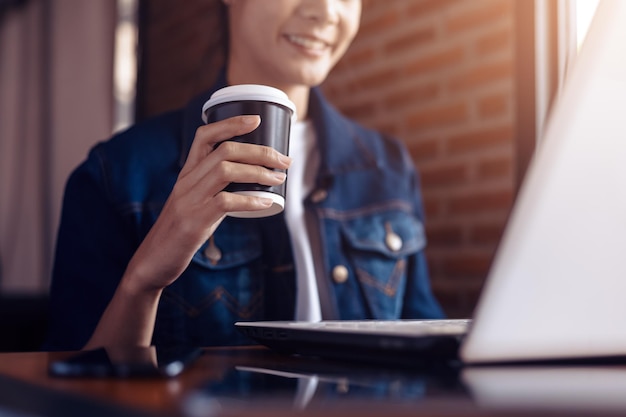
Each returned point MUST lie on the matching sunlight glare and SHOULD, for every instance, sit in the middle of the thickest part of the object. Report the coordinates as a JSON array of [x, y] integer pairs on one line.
[[585, 10]]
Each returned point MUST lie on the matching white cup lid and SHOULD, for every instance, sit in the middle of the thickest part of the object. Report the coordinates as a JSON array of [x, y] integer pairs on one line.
[[249, 92]]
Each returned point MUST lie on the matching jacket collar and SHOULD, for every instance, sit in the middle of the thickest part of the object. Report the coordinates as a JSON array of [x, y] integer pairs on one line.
[[341, 142]]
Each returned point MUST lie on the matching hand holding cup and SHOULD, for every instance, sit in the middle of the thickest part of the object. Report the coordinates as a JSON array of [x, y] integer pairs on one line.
[[277, 113]]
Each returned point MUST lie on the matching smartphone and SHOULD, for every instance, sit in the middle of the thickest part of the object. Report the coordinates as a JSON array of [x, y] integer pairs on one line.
[[126, 362]]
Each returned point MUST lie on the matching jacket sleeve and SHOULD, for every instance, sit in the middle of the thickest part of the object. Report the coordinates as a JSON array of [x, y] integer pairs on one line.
[[93, 248]]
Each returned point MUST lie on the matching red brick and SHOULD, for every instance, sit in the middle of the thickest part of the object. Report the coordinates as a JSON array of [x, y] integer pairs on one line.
[[376, 7], [482, 202], [373, 79], [448, 58], [489, 233], [458, 298], [482, 75], [500, 40], [359, 111], [390, 129], [362, 57], [498, 167], [480, 138], [424, 149], [485, 14], [440, 116], [410, 41], [332, 90], [411, 96], [467, 265], [434, 262], [443, 174], [494, 105], [380, 23], [444, 235], [432, 207], [425, 7]]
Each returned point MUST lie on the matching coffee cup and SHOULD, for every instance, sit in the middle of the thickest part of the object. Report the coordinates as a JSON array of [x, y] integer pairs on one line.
[[277, 114]]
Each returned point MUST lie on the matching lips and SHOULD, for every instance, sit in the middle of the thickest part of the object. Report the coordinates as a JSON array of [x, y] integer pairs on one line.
[[307, 42]]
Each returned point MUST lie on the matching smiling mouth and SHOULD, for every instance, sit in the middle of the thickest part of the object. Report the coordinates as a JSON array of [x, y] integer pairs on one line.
[[308, 43]]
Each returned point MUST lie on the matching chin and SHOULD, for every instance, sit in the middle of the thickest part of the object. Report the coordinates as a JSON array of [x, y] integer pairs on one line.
[[313, 79], [307, 74]]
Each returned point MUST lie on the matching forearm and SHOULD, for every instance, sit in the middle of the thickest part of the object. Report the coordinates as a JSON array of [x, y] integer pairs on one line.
[[192, 212], [129, 318]]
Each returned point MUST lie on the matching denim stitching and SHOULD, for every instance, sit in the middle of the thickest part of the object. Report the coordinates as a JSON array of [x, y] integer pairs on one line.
[[233, 304], [218, 294], [373, 209], [389, 288]]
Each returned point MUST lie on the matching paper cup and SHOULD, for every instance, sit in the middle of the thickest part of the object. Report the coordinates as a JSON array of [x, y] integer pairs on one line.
[[277, 114]]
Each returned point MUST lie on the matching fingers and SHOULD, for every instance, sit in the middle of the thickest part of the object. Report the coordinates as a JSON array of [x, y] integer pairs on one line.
[[230, 202], [226, 172], [209, 169], [209, 135], [214, 168], [236, 162], [212, 184], [247, 153]]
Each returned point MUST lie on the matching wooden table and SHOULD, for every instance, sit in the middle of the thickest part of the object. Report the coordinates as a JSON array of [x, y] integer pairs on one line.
[[243, 381]]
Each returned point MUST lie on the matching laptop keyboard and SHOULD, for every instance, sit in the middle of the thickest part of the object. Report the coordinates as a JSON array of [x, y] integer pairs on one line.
[[451, 326]]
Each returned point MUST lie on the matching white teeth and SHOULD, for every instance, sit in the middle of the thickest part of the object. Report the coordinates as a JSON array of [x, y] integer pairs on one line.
[[307, 42]]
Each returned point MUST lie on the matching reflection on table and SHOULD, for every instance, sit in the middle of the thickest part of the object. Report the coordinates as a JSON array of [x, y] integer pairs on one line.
[[599, 388], [256, 382], [314, 384]]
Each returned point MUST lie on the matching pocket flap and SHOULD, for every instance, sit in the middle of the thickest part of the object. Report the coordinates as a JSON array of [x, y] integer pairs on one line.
[[392, 233], [233, 244]]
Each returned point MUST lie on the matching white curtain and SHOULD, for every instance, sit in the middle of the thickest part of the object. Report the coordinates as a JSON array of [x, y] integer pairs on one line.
[[55, 103]]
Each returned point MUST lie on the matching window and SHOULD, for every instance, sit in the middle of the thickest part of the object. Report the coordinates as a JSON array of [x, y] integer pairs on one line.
[[125, 64], [548, 36]]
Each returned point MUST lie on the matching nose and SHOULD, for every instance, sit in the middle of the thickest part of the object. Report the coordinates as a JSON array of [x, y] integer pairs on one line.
[[322, 11]]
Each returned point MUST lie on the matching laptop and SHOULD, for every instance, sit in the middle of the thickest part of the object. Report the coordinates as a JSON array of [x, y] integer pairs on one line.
[[557, 287]]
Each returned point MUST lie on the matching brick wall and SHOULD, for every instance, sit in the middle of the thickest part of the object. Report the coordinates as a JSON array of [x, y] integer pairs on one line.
[[436, 73]]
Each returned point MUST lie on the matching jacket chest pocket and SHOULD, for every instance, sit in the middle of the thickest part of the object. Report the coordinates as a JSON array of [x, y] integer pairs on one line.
[[222, 284], [377, 249], [229, 269]]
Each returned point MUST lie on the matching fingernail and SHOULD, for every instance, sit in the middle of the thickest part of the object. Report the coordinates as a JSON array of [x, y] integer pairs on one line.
[[279, 175], [266, 202], [284, 159], [249, 120]]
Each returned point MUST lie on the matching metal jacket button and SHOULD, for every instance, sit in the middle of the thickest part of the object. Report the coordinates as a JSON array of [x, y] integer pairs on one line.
[[319, 196], [392, 240], [340, 274], [212, 252]]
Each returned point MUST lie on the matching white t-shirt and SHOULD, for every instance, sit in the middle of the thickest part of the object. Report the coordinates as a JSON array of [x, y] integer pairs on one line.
[[300, 182]]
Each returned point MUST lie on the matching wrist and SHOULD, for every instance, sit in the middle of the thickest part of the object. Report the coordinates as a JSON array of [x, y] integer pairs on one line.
[[136, 284]]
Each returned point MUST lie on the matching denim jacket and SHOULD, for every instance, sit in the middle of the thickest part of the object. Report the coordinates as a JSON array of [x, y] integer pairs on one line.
[[367, 205]]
